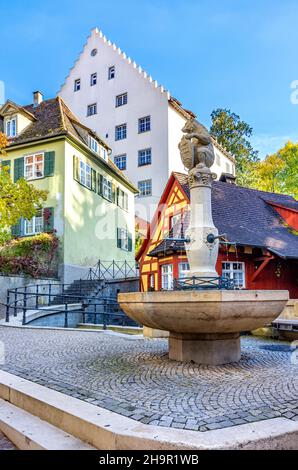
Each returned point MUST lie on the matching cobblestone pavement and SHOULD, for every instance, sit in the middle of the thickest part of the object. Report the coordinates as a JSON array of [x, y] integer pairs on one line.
[[135, 378], [5, 444]]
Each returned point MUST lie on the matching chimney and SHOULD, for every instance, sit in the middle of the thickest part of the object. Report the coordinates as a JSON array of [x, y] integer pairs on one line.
[[228, 178], [37, 98]]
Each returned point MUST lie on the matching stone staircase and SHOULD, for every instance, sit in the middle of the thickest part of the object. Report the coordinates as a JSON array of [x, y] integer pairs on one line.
[[82, 288]]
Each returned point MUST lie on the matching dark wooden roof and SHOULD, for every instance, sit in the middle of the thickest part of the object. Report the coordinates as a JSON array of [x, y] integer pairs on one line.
[[247, 217]]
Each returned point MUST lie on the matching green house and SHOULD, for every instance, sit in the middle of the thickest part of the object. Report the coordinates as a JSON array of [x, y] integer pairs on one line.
[[90, 204]]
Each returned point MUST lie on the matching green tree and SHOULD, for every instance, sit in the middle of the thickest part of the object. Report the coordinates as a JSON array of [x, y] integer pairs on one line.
[[233, 134], [278, 173], [20, 199]]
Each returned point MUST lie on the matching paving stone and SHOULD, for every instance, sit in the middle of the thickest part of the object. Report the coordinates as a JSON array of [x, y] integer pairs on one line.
[[136, 379]]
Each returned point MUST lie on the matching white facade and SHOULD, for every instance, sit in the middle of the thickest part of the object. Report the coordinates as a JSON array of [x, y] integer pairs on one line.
[[144, 98]]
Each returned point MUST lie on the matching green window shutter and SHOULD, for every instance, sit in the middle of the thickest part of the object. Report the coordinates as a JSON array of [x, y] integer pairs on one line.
[[129, 242], [6, 163], [93, 180], [16, 229], [49, 163], [18, 169], [118, 238], [100, 184], [48, 217], [76, 168]]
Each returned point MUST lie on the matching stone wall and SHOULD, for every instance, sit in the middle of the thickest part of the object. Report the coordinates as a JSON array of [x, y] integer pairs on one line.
[[13, 282]]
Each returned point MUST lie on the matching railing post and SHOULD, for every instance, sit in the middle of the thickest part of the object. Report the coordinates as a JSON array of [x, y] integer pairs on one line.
[[7, 306], [15, 302], [37, 294], [24, 306], [113, 269], [125, 272], [84, 313], [66, 316], [104, 314], [49, 294]]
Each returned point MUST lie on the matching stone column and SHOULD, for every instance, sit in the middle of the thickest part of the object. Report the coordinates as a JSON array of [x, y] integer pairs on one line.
[[202, 255]]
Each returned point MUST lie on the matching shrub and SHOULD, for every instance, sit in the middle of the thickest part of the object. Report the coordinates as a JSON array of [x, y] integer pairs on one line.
[[35, 256]]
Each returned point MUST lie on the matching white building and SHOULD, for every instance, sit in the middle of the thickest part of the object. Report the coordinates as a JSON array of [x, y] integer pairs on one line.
[[137, 117]]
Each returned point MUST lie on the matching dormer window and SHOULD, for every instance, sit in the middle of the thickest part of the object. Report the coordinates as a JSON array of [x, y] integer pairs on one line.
[[93, 144], [11, 127]]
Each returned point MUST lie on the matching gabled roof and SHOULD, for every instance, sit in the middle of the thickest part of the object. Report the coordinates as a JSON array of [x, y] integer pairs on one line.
[[53, 118], [246, 217], [17, 108]]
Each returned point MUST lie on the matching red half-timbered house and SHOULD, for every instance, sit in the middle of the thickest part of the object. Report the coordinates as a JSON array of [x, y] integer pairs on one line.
[[264, 227]]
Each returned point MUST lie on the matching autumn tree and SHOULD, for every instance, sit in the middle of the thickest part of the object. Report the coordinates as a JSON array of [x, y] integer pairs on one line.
[[20, 199], [233, 134], [278, 173]]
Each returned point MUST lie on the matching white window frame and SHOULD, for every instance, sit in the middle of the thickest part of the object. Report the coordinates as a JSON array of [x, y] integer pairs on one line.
[[121, 132], [145, 183], [11, 124], [145, 157], [93, 144], [91, 109], [124, 235], [167, 278], [121, 158], [35, 225], [121, 100], [144, 124], [183, 269], [228, 168], [107, 189], [85, 174], [111, 72], [122, 199], [231, 271], [93, 79], [103, 153], [77, 84], [33, 166]]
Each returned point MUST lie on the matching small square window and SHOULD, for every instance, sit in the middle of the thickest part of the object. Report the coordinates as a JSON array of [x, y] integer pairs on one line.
[[121, 100], [120, 161], [121, 132], [77, 84], [34, 166], [111, 73], [144, 124], [144, 157], [92, 109], [145, 188], [93, 144], [93, 79]]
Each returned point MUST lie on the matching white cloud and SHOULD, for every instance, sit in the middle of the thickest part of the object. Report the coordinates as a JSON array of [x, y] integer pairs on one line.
[[268, 144]]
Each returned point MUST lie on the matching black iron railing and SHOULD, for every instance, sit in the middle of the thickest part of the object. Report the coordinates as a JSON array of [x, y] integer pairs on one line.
[[196, 283], [50, 299], [110, 270]]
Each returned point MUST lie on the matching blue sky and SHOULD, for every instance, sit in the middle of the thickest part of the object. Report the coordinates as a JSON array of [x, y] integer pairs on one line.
[[237, 54]]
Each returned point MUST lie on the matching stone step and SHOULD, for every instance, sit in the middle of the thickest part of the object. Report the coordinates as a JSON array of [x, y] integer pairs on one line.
[[28, 432]]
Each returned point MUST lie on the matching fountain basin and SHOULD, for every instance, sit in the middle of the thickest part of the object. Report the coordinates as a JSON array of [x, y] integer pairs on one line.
[[204, 325]]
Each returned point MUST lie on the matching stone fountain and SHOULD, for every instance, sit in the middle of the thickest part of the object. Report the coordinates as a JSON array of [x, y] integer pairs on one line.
[[205, 323]]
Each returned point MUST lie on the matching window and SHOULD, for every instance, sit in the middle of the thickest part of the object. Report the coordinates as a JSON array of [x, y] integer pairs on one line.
[[121, 100], [122, 199], [121, 132], [11, 127], [167, 277], [103, 153], [107, 191], [144, 157], [151, 282], [145, 187], [93, 52], [234, 272], [144, 124], [93, 144], [228, 168], [35, 225], [120, 161], [34, 166], [77, 84], [183, 270], [218, 159], [123, 239], [93, 79], [111, 73], [92, 109], [85, 174]]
